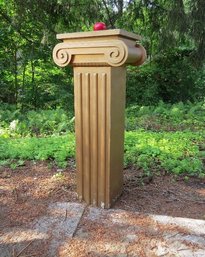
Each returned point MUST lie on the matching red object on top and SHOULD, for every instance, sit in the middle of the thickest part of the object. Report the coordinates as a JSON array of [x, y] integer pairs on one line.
[[99, 26]]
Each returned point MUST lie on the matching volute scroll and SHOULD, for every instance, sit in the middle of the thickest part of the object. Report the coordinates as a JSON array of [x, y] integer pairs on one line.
[[113, 53]]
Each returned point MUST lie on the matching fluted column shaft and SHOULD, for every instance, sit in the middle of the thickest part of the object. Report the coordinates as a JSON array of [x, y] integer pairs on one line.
[[99, 125]]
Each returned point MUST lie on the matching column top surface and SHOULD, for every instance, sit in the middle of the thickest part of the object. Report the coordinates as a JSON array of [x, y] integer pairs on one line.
[[99, 33]]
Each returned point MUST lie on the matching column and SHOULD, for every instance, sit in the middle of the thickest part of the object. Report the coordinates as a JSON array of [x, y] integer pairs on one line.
[[99, 61]]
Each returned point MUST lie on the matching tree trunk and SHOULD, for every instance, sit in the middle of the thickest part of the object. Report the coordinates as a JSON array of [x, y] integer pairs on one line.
[[15, 78]]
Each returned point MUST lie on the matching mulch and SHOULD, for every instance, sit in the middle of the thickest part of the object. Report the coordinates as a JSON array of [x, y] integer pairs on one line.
[[26, 192]]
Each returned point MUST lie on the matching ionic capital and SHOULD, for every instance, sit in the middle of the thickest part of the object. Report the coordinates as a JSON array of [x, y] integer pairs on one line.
[[96, 50]]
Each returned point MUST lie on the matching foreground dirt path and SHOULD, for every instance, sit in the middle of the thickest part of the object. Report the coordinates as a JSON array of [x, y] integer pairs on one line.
[[41, 216], [72, 229]]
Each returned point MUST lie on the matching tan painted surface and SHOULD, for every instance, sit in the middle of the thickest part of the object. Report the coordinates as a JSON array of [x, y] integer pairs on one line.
[[99, 106], [99, 59], [99, 34], [99, 48]]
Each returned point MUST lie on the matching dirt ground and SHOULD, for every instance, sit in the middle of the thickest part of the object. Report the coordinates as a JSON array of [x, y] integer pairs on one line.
[[27, 191]]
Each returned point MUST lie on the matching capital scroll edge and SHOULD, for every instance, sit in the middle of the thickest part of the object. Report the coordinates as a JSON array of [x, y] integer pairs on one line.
[[115, 52]]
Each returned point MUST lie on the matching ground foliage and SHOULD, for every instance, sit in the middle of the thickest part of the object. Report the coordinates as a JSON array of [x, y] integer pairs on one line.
[[162, 138], [15, 123], [166, 117], [176, 152]]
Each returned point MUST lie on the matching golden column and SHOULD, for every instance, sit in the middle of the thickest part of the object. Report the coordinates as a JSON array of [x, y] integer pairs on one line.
[[99, 59]]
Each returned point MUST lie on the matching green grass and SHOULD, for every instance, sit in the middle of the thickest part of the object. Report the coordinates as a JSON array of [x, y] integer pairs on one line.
[[174, 152]]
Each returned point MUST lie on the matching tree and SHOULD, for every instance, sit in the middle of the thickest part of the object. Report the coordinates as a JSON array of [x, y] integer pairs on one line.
[[166, 24], [28, 29]]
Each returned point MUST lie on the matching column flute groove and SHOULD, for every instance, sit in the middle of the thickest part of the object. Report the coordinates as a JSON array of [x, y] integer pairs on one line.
[[79, 133], [86, 135], [94, 136], [104, 83]]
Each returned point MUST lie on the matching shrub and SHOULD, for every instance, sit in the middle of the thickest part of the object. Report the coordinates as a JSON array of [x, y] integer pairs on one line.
[[171, 77]]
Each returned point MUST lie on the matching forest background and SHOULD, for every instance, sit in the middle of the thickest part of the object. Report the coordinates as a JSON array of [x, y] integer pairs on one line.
[[165, 96]]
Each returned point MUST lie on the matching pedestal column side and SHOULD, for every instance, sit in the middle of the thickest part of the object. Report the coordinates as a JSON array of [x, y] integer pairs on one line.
[[92, 97]]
